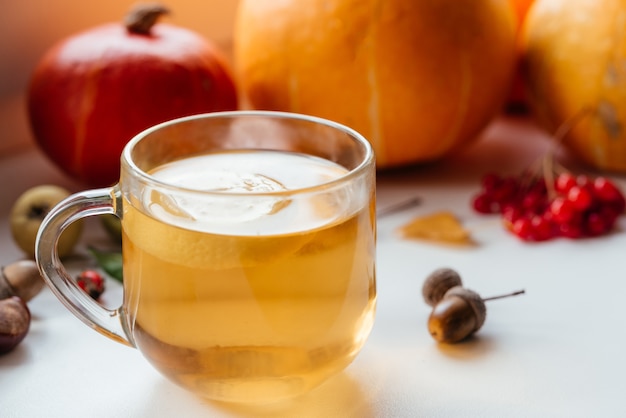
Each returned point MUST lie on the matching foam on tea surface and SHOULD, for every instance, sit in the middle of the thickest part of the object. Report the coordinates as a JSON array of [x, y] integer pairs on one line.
[[258, 180]]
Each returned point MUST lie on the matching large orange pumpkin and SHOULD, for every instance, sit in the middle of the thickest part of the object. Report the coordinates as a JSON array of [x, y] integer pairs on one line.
[[418, 78], [574, 53]]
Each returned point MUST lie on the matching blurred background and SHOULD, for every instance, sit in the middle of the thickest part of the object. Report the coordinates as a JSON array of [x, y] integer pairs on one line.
[[29, 27]]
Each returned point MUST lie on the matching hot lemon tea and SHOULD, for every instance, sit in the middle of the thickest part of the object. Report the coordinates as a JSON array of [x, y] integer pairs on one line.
[[257, 299]]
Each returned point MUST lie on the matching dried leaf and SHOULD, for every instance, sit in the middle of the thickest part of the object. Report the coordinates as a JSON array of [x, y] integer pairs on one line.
[[439, 226]]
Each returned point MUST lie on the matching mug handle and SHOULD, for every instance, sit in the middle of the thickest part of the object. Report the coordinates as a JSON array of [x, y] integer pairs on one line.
[[111, 323]]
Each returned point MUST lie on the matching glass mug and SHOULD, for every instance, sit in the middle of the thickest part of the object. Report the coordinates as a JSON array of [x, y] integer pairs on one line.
[[248, 243]]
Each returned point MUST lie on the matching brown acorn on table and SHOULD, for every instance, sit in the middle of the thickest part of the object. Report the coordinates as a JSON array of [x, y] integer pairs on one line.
[[457, 312], [19, 283]]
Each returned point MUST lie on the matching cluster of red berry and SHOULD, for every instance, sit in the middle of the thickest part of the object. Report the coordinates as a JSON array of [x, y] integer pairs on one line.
[[537, 210], [91, 282]]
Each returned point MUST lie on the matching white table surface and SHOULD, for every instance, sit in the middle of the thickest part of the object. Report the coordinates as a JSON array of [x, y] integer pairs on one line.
[[557, 351]]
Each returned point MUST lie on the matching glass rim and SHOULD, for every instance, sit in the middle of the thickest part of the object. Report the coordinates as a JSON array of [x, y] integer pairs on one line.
[[368, 159]]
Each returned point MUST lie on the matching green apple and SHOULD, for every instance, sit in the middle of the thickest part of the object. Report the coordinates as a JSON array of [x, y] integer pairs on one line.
[[28, 212]]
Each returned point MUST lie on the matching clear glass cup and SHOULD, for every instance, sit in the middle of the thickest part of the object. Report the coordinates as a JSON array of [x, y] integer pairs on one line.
[[248, 243]]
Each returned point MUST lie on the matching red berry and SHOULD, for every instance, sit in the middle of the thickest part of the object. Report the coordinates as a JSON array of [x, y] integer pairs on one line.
[[564, 182], [482, 203], [562, 210], [580, 197], [583, 206], [609, 214], [570, 230], [542, 226], [606, 191], [511, 213], [534, 201], [522, 227], [619, 205], [596, 224], [505, 192], [91, 282], [490, 181]]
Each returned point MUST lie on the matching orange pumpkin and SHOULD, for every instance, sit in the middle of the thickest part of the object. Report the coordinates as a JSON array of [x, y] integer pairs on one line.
[[573, 59], [521, 8], [419, 78]]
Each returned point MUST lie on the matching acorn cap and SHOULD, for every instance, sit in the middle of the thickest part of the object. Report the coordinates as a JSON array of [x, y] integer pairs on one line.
[[473, 299], [438, 283]]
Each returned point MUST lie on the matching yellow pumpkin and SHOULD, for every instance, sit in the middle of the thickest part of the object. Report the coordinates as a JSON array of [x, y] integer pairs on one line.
[[573, 54], [418, 78]]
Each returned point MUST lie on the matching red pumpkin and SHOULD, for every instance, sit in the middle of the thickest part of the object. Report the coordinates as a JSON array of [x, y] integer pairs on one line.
[[91, 93]]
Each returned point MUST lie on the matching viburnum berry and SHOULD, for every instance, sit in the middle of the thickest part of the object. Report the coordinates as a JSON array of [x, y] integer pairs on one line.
[[607, 192], [511, 213], [569, 206], [596, 225], [505, 192], [562, 210], [534, 201], [605, 189], [482, 203], [564, 182], [91, 282], [542, 227], [580, 197], [522, 227], [490, 181]]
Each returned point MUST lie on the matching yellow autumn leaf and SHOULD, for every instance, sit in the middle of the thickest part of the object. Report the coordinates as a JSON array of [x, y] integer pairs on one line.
[[440, 226]]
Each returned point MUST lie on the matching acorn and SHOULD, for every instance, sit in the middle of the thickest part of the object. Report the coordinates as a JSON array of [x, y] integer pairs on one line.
[[460, 313], [438, 283], [22, 279], [14, 323]]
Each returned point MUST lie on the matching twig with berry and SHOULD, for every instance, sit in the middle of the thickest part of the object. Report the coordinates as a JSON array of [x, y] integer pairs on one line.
[[91, 282], [548, 201]]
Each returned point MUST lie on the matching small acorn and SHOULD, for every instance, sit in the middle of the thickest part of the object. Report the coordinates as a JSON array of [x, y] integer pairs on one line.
[[457, 312], [22, 279], [14, 323], [460, 313], [438, 283]]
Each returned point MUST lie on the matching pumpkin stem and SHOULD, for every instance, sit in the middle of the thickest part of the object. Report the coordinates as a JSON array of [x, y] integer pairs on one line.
[[142, 17]]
